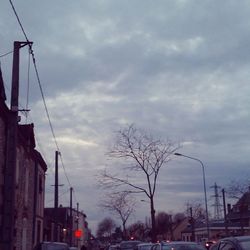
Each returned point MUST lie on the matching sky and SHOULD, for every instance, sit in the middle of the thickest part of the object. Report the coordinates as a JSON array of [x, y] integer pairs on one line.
[[179, 69]]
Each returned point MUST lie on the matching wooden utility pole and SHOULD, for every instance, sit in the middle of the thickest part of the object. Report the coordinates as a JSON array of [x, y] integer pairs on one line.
[[8, 222], [77, 225], [192, 224], [71, 218], [225, 212], [56, 198]]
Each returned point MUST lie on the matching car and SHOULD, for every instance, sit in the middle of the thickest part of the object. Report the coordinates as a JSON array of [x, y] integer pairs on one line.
[[129, 245], [48, 245], [208, 244], [113, 247], [178, 245], [144, 246], [234, 243], [214, 246], [73, 248]]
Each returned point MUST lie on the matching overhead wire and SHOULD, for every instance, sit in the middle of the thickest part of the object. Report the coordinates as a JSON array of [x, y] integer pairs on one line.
[[40, 87], [7, 53], [23, 112], [65, 192]]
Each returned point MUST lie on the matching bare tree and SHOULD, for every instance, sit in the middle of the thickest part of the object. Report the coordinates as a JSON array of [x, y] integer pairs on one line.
[[144, 156], [121, 204], [198, 212], [137, 230], [105, 228], [178, 217], [163, 223], [237, 188]]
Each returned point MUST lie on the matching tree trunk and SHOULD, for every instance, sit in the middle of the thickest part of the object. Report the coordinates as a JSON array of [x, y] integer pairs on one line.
[[153, 229], [124, 231]]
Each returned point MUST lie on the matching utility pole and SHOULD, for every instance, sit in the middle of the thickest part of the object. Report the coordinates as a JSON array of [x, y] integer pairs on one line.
[[77, 225], [56, 198], [71, 218], [225, 211], [192, 223], [8, 222]]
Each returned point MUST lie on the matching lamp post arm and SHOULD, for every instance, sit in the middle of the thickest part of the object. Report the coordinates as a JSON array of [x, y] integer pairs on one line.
[[204, 185]]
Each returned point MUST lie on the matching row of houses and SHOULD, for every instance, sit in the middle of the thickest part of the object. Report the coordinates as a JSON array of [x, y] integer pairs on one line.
[[24, 221], [235, 223]]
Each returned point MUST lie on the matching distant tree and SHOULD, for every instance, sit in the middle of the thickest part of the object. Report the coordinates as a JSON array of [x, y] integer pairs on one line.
[[163, 223], [195, 213], [105, 228], [198, 212], [144, 156], [121, 204], [118, 234], [137, 231], [178, 217], [237, 188]]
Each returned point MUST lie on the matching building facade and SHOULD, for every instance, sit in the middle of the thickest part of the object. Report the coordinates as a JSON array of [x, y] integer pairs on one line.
[[28, 183], [3, 135], [71, 226]]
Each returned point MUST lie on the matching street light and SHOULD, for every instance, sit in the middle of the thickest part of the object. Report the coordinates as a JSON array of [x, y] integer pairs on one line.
[[204, 184]]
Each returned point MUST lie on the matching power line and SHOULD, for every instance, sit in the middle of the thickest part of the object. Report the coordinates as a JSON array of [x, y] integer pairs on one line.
[[7, 53], [40, 87], [20, 24]]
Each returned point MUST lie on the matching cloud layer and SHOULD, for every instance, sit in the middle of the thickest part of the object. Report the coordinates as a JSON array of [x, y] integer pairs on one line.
[[179, 69]]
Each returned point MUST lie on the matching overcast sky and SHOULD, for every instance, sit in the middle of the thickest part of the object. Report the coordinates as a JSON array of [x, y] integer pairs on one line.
[[179, 69]]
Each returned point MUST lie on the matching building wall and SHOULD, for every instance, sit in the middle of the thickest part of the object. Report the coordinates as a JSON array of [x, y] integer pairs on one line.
[[177, 230], [29, 192], [2, 160], [64, 222], [24, 200], [39, 195], [27, 219], [79, 222]]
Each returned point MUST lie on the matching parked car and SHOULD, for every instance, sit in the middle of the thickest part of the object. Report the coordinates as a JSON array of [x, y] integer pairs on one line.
[[233, 243], [178, 245], [46, 245], [129, 244], [144, 246], [113, 247], [214, 246], [208, 244]]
